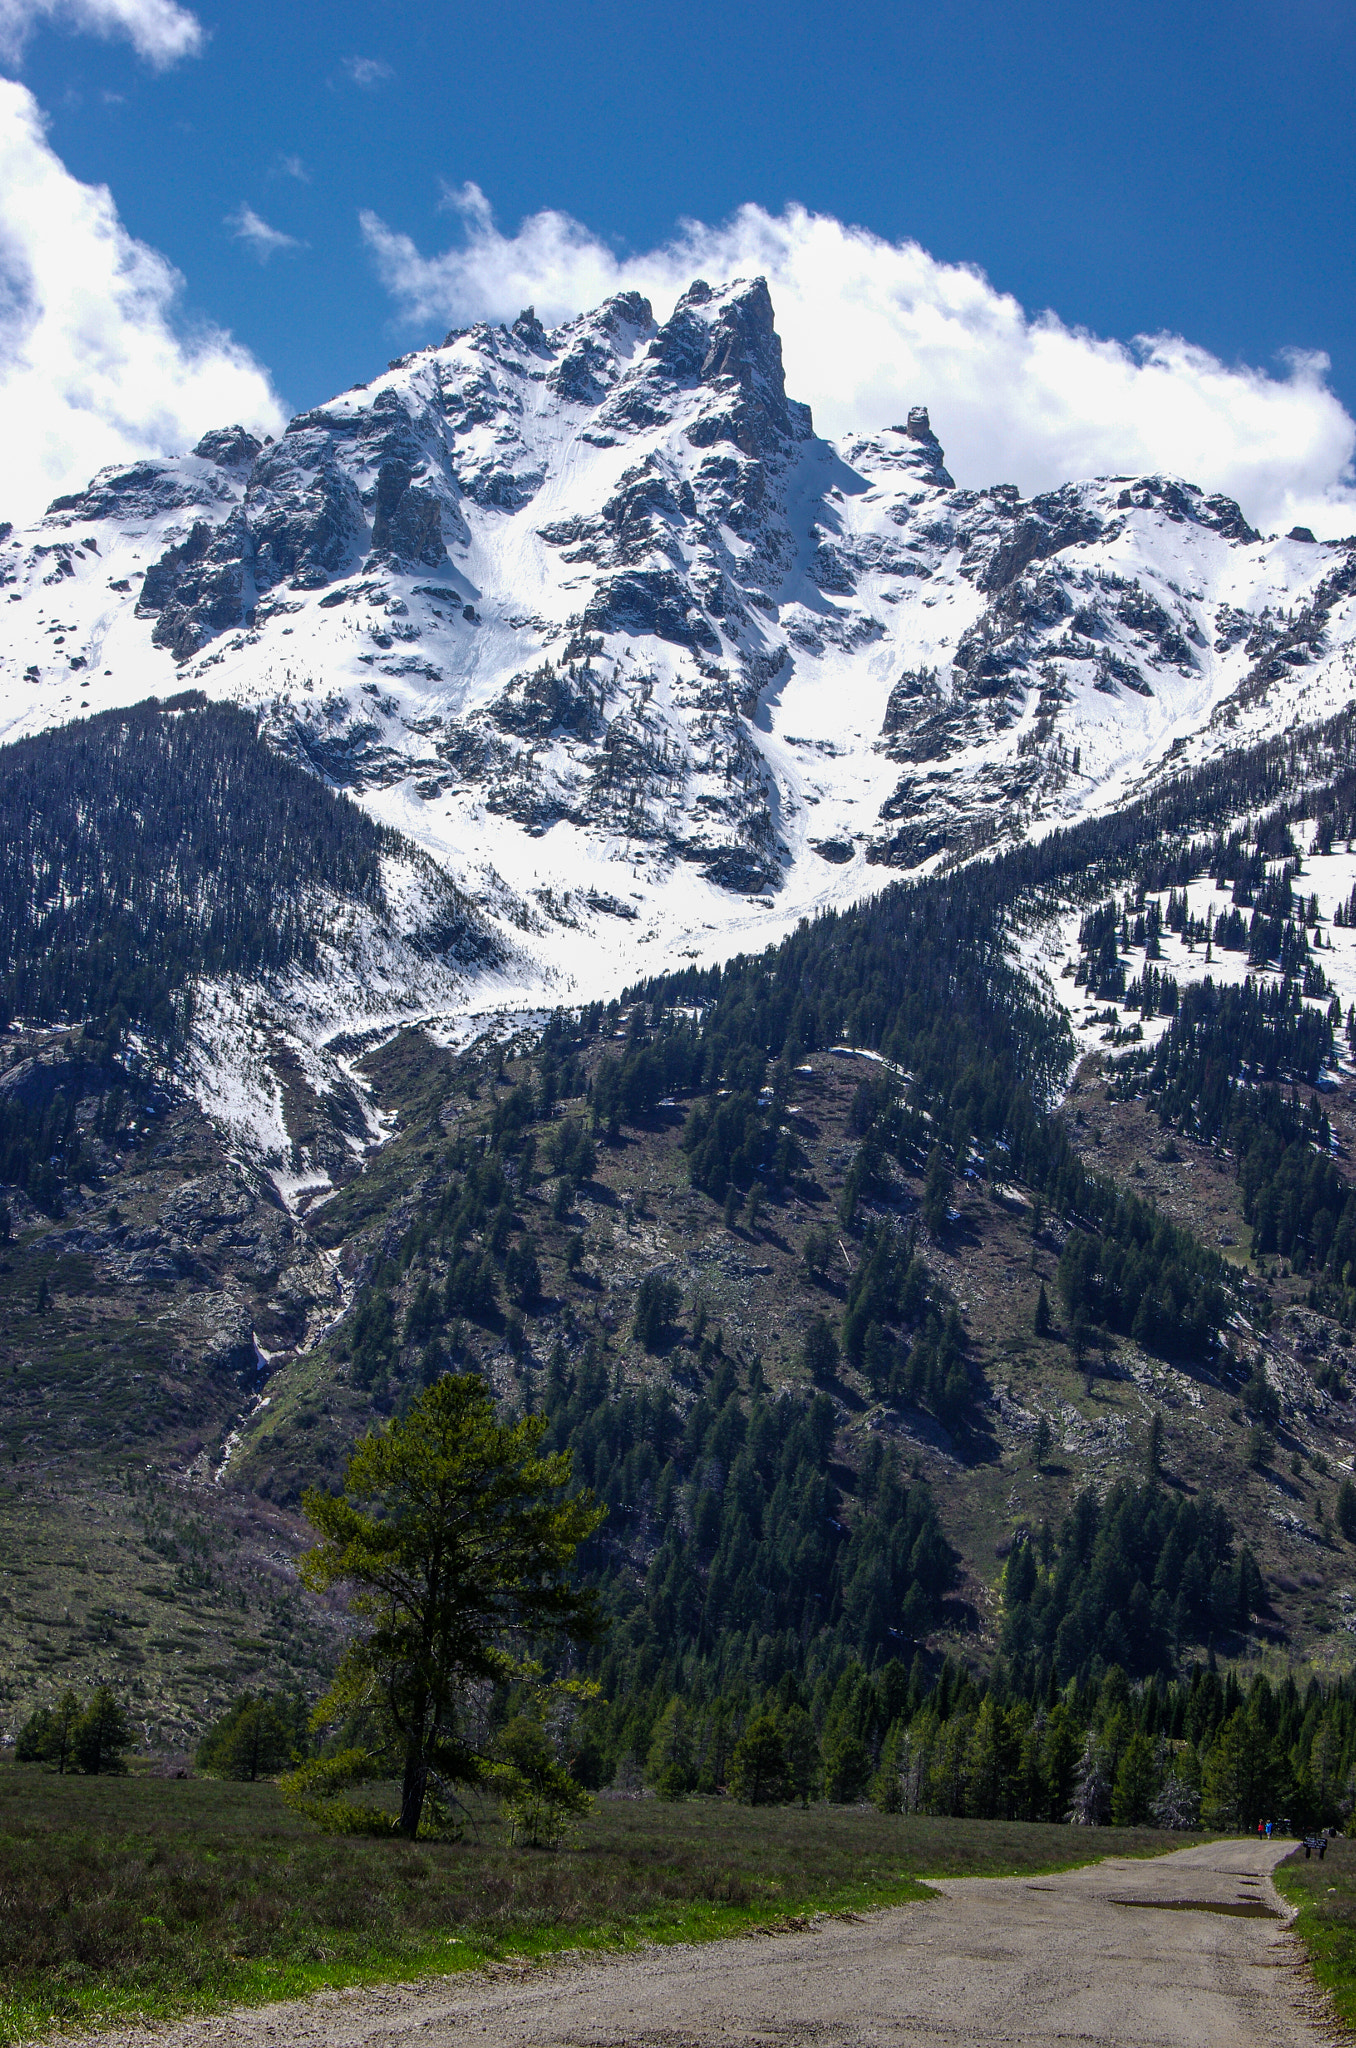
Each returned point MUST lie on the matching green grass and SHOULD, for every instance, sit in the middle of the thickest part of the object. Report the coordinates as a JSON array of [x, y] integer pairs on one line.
[[1325, 1894], [143, 1897]]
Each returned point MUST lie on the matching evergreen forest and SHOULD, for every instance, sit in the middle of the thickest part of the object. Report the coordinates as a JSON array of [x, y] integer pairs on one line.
[[145, 848]]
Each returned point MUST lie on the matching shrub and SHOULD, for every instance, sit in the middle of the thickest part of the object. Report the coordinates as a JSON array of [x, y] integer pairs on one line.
[[540, 1800]]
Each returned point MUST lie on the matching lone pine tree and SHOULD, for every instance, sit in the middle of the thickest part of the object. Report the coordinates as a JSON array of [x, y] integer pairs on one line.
[[457, 1537]]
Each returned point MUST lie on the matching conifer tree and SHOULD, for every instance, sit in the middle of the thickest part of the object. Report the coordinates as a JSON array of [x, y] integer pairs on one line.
[[1153, 1449], [456, 1536], [1044, 1443], [539, 1798], [256, 1737], [102, 1735], [48, 1736], [758, 1766], [1091, 1799], [800, 1747], [668, 1766], [819, 1352], [936, 1191], [1136, 1784]]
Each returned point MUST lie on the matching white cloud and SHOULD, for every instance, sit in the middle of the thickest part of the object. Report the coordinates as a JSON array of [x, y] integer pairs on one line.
[[92, 369], [259, 238], [367, 71], [293, 167], [158, 30], [870, 327]]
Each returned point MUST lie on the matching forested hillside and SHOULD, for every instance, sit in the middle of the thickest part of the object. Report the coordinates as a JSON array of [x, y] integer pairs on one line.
[[145, 848], [896, 1312]]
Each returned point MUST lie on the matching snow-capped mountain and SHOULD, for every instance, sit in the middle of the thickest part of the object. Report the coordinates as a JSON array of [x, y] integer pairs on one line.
[[648, 667]]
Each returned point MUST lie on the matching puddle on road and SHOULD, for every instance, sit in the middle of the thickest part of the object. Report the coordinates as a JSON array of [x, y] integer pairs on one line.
[[1233, 1909]]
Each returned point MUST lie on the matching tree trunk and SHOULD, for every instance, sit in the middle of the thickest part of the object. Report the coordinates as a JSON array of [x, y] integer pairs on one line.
[[413, 1787]]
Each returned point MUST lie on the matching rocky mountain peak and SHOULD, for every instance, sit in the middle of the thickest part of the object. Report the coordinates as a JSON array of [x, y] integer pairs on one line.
[[631, 309], [680, 347], [527, 329], [228, 447], [727, 342], [925, 450], [744, 344]]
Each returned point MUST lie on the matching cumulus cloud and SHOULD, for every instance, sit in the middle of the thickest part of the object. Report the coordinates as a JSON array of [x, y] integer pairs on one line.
[[870, 327], [367, 71], [92, 368], [259, 238], [159, 30]]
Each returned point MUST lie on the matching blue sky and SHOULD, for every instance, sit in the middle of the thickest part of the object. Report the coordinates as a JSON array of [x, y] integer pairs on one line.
[[1178, 166], [1181, 168]]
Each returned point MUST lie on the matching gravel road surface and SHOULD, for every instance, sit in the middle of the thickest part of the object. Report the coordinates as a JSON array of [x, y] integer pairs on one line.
[[1191, 1950]]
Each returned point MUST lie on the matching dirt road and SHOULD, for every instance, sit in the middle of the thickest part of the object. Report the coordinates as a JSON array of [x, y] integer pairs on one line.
[[1188, 1949]]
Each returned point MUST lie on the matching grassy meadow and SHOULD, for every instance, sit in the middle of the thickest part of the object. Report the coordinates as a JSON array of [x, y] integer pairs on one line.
[[1325, 1894], [142, 1896]]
